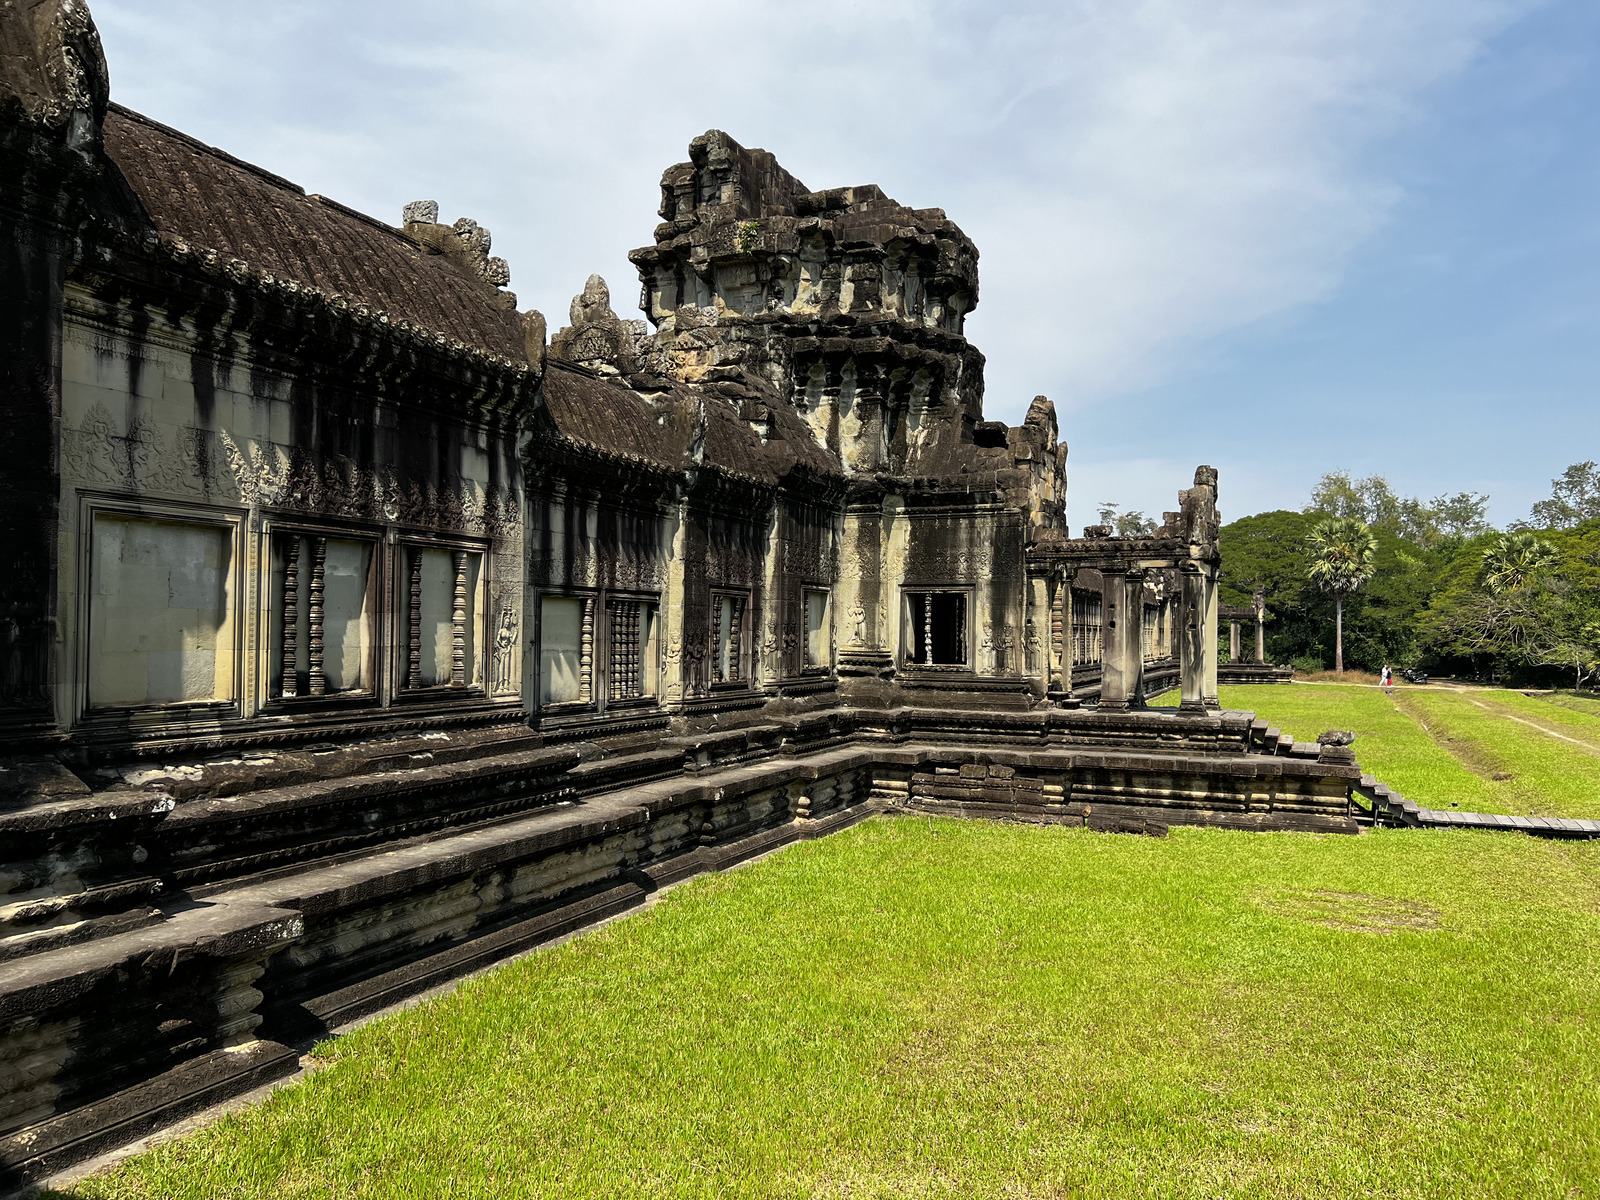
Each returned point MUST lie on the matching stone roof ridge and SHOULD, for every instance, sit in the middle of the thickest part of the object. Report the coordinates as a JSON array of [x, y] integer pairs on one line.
[[232, 160], [355, 213], [282, 182], [203, 199]]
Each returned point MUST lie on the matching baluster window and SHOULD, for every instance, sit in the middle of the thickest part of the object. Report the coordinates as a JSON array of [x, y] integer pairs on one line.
[[936, 629], [320, 613]]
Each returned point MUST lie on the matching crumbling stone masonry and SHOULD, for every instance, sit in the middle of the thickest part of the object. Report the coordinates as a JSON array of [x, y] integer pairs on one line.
[[352, 637]]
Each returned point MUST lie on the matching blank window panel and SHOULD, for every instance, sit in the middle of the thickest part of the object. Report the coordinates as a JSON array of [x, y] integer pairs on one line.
[[160, 613], [560, 650], [818, 643]]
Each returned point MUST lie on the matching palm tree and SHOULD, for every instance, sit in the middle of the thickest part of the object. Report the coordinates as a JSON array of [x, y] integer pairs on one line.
[[1342, 549], [1515, 560]]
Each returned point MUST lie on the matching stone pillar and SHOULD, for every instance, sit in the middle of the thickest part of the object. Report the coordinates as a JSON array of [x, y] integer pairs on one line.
[[1191, 639], [1116, 667], [1261, 635], [1133, 637], [1211, 617], [674, 633], [1037, 650], [1062, 647], [1233, 641], [31, 286]]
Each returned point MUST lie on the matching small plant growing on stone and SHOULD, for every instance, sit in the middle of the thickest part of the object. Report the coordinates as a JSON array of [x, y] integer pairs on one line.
[[749, 236]]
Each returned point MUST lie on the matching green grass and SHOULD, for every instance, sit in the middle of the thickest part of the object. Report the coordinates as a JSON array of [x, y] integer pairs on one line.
[[1446, 748], [1573, 702], [1538, 773], [959, 1009]]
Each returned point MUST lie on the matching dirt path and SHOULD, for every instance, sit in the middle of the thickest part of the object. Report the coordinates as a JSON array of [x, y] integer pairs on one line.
[[1505, 713], [1435, 688], [1474, 756]]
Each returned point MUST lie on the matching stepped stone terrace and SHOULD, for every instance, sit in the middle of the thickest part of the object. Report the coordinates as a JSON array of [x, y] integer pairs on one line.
[[358, 632]]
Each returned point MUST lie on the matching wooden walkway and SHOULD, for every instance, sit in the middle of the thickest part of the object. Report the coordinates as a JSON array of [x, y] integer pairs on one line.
[[1389, 807]]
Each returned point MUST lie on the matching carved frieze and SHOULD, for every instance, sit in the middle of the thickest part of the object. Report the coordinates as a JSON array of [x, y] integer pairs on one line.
[[189, 462]]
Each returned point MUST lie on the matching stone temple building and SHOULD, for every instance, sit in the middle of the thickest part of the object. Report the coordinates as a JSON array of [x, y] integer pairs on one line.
[[354, 633]]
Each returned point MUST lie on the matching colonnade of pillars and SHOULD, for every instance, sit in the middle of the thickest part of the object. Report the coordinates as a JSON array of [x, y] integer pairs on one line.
[[1122, 638], [1261, 637]]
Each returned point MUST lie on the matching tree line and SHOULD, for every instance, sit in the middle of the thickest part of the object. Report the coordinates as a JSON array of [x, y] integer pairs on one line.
[[1395, 580]]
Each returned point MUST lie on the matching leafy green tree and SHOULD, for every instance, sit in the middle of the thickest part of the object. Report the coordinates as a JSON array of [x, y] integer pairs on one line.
[[1132, 523], [1574, 498], [1374, 502], [1462, 516], [1342, 553], [1516, 561], [1522, 604]]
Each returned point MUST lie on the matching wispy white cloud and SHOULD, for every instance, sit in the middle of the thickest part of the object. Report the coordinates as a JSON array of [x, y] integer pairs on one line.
[[1140, 175]]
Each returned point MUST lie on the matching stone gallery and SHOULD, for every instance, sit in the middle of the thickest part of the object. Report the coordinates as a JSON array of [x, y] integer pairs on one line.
[[354, 633]]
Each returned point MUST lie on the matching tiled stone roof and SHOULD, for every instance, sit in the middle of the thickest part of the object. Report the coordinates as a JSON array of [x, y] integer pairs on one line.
[[214, 201]]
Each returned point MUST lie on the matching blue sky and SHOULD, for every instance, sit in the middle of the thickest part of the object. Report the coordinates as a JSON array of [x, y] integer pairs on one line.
[[1279, 236]]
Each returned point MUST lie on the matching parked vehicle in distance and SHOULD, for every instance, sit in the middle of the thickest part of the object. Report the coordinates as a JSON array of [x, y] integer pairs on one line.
[[1411, 676]]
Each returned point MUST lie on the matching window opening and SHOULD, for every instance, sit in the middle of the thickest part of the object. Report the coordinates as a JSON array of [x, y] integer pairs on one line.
[[160, 612], [1086, 621], [633, 648], [324, 628], [565, 630], [818, 643], [728, 638], [938, 628], [442, 617]]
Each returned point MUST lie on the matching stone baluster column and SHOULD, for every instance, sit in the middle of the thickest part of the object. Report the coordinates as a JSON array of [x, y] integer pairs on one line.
[[414, 621], [317, 683], [1211, 618], [586, 653], [291, 617], [1233, 640], [458, 622], [1191, 639], [1116, 668], [1261, 635]]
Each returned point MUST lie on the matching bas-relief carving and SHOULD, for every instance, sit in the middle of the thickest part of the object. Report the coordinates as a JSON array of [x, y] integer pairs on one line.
[[214, 465], [1035, 648], [182, 463], [672, 659], [931, 564], [505, 651]]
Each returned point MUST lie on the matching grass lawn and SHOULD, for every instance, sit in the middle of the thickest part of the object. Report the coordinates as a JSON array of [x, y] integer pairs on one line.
[[1473, 750], [1576, 703], [958, 1009]]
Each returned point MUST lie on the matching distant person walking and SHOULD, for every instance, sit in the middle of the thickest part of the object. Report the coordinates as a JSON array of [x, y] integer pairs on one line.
[[1388, 678]]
